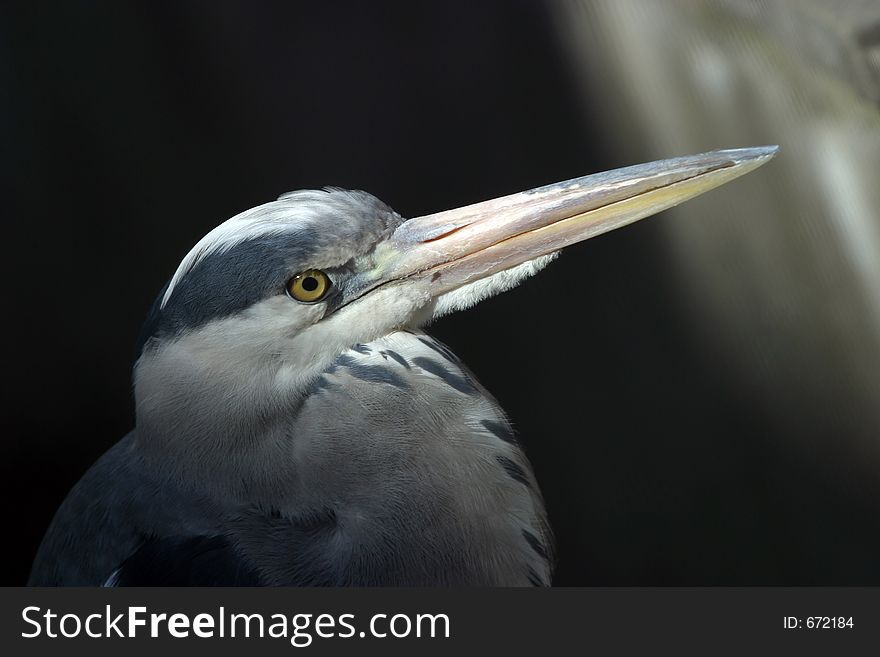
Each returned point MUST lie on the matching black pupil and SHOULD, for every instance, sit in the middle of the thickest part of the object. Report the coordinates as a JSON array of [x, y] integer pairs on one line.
[[310, 283]]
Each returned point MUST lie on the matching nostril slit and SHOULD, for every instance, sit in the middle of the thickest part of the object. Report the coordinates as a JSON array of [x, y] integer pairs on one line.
[[446, 233]]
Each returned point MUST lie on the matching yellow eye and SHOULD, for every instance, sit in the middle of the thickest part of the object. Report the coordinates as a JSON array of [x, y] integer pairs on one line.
[[309, 286]]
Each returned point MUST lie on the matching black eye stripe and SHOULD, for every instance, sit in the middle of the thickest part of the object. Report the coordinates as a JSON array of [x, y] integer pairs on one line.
[[225, 283]]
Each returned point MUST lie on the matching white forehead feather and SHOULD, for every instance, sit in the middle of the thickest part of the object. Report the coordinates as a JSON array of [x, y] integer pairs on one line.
[[291, 212]]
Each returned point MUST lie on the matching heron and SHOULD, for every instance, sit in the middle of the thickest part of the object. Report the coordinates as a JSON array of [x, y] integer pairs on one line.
[[294, 425]]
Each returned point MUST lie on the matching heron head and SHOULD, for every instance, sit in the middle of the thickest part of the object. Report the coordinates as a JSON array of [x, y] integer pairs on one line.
[[274, 294]]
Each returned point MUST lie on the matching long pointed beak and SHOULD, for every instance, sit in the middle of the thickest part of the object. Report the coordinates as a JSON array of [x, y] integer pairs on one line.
[[456, 247]]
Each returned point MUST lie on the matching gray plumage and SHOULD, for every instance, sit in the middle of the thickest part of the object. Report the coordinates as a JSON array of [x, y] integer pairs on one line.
[[419, 499]]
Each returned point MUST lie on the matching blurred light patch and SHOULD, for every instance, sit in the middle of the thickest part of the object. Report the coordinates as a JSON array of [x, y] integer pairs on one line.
[[780, 272]]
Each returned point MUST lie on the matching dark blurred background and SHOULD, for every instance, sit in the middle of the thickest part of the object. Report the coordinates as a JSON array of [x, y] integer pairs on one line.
[[698, 393]]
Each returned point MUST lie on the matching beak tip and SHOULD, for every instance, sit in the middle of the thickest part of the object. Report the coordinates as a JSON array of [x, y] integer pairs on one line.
[[755, 154]]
